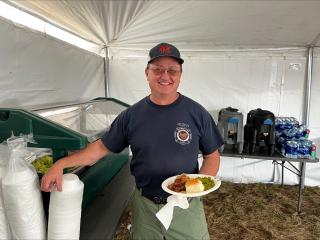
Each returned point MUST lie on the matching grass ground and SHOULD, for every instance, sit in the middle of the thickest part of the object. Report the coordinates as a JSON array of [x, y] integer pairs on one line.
[[256, 211]]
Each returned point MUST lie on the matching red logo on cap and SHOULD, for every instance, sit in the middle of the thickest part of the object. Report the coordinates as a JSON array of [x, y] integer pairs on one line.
[[165, 49]]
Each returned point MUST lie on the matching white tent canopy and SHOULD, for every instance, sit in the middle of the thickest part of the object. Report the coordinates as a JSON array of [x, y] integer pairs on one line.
[[189, 24], [244, 54]]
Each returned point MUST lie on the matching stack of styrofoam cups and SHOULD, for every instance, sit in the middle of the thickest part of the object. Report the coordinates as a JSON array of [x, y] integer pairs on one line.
[[4, 225], [65, 209], [23, 204]]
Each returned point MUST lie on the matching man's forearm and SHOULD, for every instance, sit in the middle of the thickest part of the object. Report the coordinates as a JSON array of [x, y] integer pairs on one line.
[[210, 164], [88, 156]]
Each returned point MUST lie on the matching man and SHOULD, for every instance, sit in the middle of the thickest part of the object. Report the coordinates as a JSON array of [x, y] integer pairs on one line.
[[165, 131]]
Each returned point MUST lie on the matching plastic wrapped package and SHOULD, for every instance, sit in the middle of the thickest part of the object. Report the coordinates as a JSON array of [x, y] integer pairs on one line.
[[21, 193], [65, 209], [43, 161], [4, 226]]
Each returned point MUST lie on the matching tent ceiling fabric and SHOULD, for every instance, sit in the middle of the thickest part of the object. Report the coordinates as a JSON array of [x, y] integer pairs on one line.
[[97, 21], [191, 25]]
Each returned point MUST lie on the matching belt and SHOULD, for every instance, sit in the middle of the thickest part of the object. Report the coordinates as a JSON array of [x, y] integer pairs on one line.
[[155, 199]]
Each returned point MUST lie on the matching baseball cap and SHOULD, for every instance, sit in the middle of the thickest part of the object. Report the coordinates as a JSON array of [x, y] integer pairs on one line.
[[165, 50]]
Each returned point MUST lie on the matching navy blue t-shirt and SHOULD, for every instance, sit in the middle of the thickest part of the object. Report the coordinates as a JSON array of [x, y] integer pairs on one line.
[[165, 140]]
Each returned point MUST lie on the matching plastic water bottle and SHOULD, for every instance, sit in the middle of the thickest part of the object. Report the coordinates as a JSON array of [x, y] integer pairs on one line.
[[280, 143], [286, 123], [292, 133], [291, 149], [304, 148], [294, 122], [278, 122], [300, 131], [313, 151], [306, 133]]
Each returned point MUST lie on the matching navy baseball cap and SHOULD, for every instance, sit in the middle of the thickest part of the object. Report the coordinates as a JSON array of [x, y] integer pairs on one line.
[[165, 50]]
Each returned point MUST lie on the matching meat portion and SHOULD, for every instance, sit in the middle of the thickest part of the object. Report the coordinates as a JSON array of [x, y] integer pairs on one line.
[[179, 183]]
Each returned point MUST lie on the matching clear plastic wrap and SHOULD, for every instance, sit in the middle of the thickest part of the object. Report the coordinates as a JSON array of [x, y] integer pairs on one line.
[[65, 209], [4, 225], [21, 193], [43, 161]]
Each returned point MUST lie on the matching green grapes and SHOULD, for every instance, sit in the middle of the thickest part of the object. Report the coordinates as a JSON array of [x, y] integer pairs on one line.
[[43, 164]]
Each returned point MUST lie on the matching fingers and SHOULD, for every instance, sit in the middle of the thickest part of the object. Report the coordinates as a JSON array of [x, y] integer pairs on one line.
[[46, 186], [51, 187], [59, 183], [51, 180]]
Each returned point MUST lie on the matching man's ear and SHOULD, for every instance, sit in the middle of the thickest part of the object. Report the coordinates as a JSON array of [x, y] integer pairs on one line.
[[146, 72]]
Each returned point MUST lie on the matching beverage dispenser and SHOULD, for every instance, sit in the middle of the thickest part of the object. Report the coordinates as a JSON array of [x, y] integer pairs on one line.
[[230, 125], [259, 132]]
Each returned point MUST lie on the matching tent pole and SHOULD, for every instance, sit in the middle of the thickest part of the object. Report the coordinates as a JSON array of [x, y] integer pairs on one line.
[[306, 113], [308, 76], [106, 72]]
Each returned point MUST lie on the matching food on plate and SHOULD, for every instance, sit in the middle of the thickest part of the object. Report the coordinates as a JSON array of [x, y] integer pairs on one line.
[[194, 186], [184, 183], [179, 183], [207, 182]]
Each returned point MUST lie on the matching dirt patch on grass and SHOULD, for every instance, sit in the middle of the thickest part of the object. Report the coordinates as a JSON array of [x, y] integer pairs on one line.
[[255, 211]]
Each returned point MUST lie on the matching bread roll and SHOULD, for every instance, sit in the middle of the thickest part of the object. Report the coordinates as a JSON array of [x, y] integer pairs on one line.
[[194, 186]]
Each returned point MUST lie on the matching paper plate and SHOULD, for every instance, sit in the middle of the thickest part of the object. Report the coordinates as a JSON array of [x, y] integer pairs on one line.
[[170, 180]]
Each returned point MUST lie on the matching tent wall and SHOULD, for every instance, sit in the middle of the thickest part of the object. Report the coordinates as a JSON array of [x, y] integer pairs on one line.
[[313, 170], [37, 70], [269, 79], [272, 80]]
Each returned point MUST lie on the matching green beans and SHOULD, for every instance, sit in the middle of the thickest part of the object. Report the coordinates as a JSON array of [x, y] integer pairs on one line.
[[207, 182]]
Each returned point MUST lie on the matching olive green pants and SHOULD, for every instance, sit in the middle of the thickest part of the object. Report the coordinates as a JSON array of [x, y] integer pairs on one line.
[[186, 223]]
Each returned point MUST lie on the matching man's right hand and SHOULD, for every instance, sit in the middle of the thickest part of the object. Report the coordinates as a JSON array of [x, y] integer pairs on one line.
[[52, 178], [85, 157]]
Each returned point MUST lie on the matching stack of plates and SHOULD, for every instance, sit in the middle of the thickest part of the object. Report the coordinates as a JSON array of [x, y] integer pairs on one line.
[[65, 209], [4, 226], [23, 205]]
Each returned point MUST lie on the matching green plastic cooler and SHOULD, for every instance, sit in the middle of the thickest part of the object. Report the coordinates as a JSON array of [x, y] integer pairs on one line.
[[66, 129]]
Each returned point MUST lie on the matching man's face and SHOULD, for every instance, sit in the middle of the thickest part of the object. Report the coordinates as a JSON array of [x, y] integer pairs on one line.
[[164, 75]]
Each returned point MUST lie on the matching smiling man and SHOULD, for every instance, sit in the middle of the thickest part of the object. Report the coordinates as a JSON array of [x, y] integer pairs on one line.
[[165, 130], [163, 72]]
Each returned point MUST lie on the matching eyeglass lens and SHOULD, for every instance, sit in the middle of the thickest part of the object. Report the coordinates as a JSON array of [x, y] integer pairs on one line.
[[158, 70]]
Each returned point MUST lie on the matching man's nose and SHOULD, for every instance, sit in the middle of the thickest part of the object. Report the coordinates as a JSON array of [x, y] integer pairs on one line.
[[165, 75]]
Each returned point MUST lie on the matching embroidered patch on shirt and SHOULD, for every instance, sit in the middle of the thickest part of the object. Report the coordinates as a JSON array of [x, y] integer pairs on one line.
[[183, 134]]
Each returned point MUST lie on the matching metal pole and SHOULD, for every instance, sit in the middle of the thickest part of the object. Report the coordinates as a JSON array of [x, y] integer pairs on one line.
[[305, 119], [306, 113], [106, 72]]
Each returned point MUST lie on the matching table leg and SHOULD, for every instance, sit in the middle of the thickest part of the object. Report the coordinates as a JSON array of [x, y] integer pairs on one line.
[[282, 172], [301, 176], [303, 173]]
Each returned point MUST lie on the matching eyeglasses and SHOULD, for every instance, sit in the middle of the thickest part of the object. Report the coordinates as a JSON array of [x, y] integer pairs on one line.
[[159, 70]]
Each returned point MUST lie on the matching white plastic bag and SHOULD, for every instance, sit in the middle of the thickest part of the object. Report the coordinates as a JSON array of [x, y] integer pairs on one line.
[[4, 225], [65, 209], [21, 193]]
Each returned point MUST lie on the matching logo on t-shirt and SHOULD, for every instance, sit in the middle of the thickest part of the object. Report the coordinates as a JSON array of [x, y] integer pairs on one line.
[[182, 134]]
